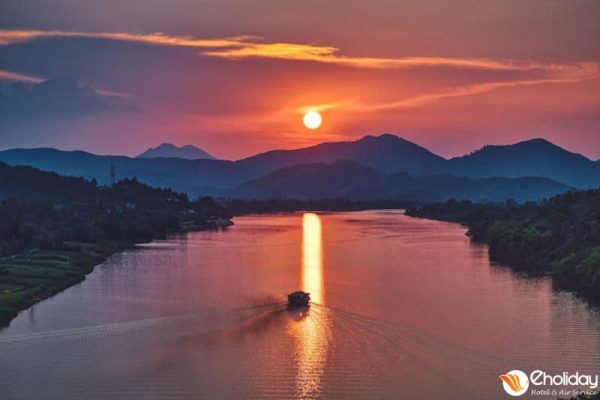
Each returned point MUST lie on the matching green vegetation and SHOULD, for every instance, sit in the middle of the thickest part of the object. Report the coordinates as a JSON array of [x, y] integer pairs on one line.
[[55, 229], [30, 277], [559, 236]]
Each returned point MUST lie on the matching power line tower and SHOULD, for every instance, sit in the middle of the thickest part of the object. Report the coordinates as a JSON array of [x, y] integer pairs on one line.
[[113, 174]]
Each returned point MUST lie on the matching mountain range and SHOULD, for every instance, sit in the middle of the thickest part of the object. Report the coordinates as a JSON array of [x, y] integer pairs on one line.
[[169, 150], [385, 166], [386, 153], [348, 179]]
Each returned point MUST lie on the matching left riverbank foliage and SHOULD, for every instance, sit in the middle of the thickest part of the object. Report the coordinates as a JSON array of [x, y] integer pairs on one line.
[[55, 229]]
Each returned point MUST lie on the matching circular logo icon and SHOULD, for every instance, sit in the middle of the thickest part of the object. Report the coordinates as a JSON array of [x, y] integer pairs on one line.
[[515, 382]]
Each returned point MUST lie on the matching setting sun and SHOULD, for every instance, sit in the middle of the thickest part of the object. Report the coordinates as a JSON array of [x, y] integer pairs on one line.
[[312, 120]]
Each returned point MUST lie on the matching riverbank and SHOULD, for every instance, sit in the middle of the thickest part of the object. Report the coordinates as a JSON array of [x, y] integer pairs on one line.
[[35, 275], [559, 237], [55, 229], [30, 277]]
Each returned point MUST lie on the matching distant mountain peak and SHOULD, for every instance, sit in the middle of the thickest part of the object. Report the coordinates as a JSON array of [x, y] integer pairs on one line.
[[389, 137], [537, 143], [533, 157], [169, 150], [387, 153], [529, 143]]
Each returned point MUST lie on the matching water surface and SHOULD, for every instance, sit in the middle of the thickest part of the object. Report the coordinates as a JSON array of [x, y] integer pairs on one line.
[[404, 308]]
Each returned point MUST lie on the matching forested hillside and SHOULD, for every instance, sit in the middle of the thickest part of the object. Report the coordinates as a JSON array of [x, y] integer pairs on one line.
[[55, 229], [559, 236]]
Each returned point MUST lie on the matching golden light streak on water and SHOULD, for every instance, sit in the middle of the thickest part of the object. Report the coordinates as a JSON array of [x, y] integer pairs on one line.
[[312, 257], [186, 316], [311, 328]]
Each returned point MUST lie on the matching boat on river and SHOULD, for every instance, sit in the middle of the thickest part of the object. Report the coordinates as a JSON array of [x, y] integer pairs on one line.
[[298, 299]]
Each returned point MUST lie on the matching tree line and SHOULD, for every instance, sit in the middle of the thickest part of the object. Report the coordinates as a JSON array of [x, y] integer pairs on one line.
[[559, 236]]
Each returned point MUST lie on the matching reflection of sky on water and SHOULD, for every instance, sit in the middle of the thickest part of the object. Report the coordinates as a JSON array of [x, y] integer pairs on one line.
[[312, 257], [403, 308], [312, 333]]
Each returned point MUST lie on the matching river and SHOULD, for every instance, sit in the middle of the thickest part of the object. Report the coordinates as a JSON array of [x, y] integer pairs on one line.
[[403, 308]]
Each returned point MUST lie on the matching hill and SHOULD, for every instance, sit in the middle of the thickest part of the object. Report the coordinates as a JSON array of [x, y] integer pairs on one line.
[[385, 154], [445, 187], [29, 183], [168, 150], [348, 179], [310, 181], [559, 236], [55, 229], [195, 177], [536, 157]]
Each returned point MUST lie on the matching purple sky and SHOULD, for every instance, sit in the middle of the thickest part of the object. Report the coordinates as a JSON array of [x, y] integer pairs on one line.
[[234, 77]]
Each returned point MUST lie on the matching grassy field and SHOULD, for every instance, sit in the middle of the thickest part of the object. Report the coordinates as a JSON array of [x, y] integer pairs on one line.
[[38, 274]]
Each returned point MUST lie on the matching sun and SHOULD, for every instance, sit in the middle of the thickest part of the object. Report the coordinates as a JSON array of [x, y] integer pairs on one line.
[[312, 120]]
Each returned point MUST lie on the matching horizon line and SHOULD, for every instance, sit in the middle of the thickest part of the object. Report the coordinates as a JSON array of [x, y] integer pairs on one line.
[[296, 148]]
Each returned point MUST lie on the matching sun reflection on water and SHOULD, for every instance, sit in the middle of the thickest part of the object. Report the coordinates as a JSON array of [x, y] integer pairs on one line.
[[312, 257], [311, 330]]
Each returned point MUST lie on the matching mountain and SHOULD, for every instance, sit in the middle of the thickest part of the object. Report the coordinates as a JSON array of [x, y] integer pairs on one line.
[[386, 153], [195, 177], [536, 157], [348, 179], [55, 229], [29, 183], [445, 187], [202, 177], [168, 150], [310, 181]]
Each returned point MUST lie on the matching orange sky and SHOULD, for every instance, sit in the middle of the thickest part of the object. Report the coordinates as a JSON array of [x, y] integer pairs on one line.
[[234, 77]]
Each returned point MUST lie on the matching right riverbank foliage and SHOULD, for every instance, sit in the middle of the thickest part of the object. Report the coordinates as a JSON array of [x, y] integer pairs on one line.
[[559, 236], [54, 229]]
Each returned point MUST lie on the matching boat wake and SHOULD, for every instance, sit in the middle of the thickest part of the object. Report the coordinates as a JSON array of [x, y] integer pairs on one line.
[[205, 319], [406, 355]]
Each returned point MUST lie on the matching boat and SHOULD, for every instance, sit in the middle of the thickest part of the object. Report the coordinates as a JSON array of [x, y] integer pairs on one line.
[[298, 299]]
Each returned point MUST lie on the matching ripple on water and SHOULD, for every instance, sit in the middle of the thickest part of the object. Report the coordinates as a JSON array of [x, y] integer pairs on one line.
[[406, 309]]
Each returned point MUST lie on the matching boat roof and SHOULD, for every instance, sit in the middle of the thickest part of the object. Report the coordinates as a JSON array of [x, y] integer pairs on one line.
[[299, 293]]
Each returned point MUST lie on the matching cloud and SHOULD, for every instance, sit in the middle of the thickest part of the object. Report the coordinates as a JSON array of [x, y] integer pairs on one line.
[[15, 76], [57, 97], [577, 73], [242, 47], [329, 55], [349, 103], [245, 47], [559, 75], [8, 37]]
